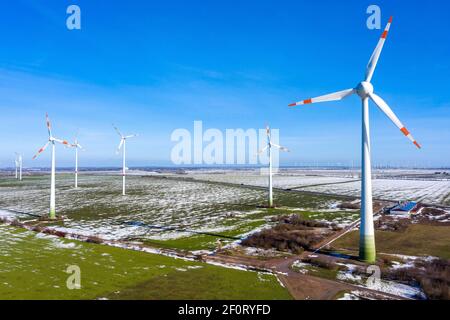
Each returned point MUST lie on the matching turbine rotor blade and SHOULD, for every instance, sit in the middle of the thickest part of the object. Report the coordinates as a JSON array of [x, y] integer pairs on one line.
[[281, 148], [49, 125], [391, 115], [328, 97], [63, 142], [118, 132], [262, 150], [131, 136], [41, 150], [377, 52], [120, 144]]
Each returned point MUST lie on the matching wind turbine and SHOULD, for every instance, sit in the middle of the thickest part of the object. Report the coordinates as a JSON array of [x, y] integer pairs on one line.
[[19, 166], [268, 147], [123, 142], [16, 162], [365, 91], [51, 140], [77, 146]]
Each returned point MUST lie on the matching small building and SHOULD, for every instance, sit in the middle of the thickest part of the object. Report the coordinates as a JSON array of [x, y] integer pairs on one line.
[[405, 208]]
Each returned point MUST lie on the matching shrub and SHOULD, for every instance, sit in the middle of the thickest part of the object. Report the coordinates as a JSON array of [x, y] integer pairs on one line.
[[16, 223], [427, 211], [94, 239], [391, 224], [37, 228], [349, 205], [322, 263], [283, 238], [432, 276]]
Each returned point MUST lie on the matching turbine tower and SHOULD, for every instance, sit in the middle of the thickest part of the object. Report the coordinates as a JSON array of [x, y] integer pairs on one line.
[[123, 141], [268, 147], [19, 166], [77, 146], [16, 162], [365, 91], [51, 140]]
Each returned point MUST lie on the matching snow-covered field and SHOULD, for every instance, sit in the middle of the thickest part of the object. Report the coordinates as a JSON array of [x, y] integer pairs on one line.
[[435, 192], [385, 286], [381, 285], [98, 207], [284, 179], [396, 184]]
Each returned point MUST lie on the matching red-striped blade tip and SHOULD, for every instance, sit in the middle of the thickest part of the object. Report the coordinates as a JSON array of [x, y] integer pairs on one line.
[[292, 104], [417, 145], [404, 131], [390, 19], [47, 120]]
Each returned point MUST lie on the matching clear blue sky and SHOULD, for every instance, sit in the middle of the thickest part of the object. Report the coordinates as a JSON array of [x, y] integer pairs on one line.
[[155, 66]]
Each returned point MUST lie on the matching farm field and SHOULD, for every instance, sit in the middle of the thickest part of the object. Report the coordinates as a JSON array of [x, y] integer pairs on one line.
[[284, 179], [396, 185], [163, 212], [166, 218], [417, 240], [434, 192], [33, 266]]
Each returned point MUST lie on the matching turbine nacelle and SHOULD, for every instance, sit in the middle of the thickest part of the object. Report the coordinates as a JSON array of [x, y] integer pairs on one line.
[[364, 89], [51, 139]]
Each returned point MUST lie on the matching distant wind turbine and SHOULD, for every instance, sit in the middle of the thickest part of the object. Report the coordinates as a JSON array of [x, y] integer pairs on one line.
[[16, 162], [77, 146], [123, 142], [268, 147], [51, 140], [365, 91], [18, 166]]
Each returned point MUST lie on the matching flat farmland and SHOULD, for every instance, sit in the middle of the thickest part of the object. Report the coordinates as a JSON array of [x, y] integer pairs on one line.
[[34, 266], [397, 185], [169, 212]]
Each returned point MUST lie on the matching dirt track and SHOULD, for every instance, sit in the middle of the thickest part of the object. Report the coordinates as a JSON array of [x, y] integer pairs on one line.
[[305, 286], [300, 286]]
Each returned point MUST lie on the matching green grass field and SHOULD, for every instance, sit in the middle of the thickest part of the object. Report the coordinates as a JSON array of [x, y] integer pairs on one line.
[[33, 266], [417, 240]]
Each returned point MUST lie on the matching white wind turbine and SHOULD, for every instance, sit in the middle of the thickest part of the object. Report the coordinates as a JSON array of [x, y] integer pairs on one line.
[[51, 140], [77, 146], [123, 142], [18, 166], [16, 162], [268, 147], [365, 91]]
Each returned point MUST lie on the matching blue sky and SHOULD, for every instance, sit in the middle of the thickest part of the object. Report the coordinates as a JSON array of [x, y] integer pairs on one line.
[[154, 66]]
